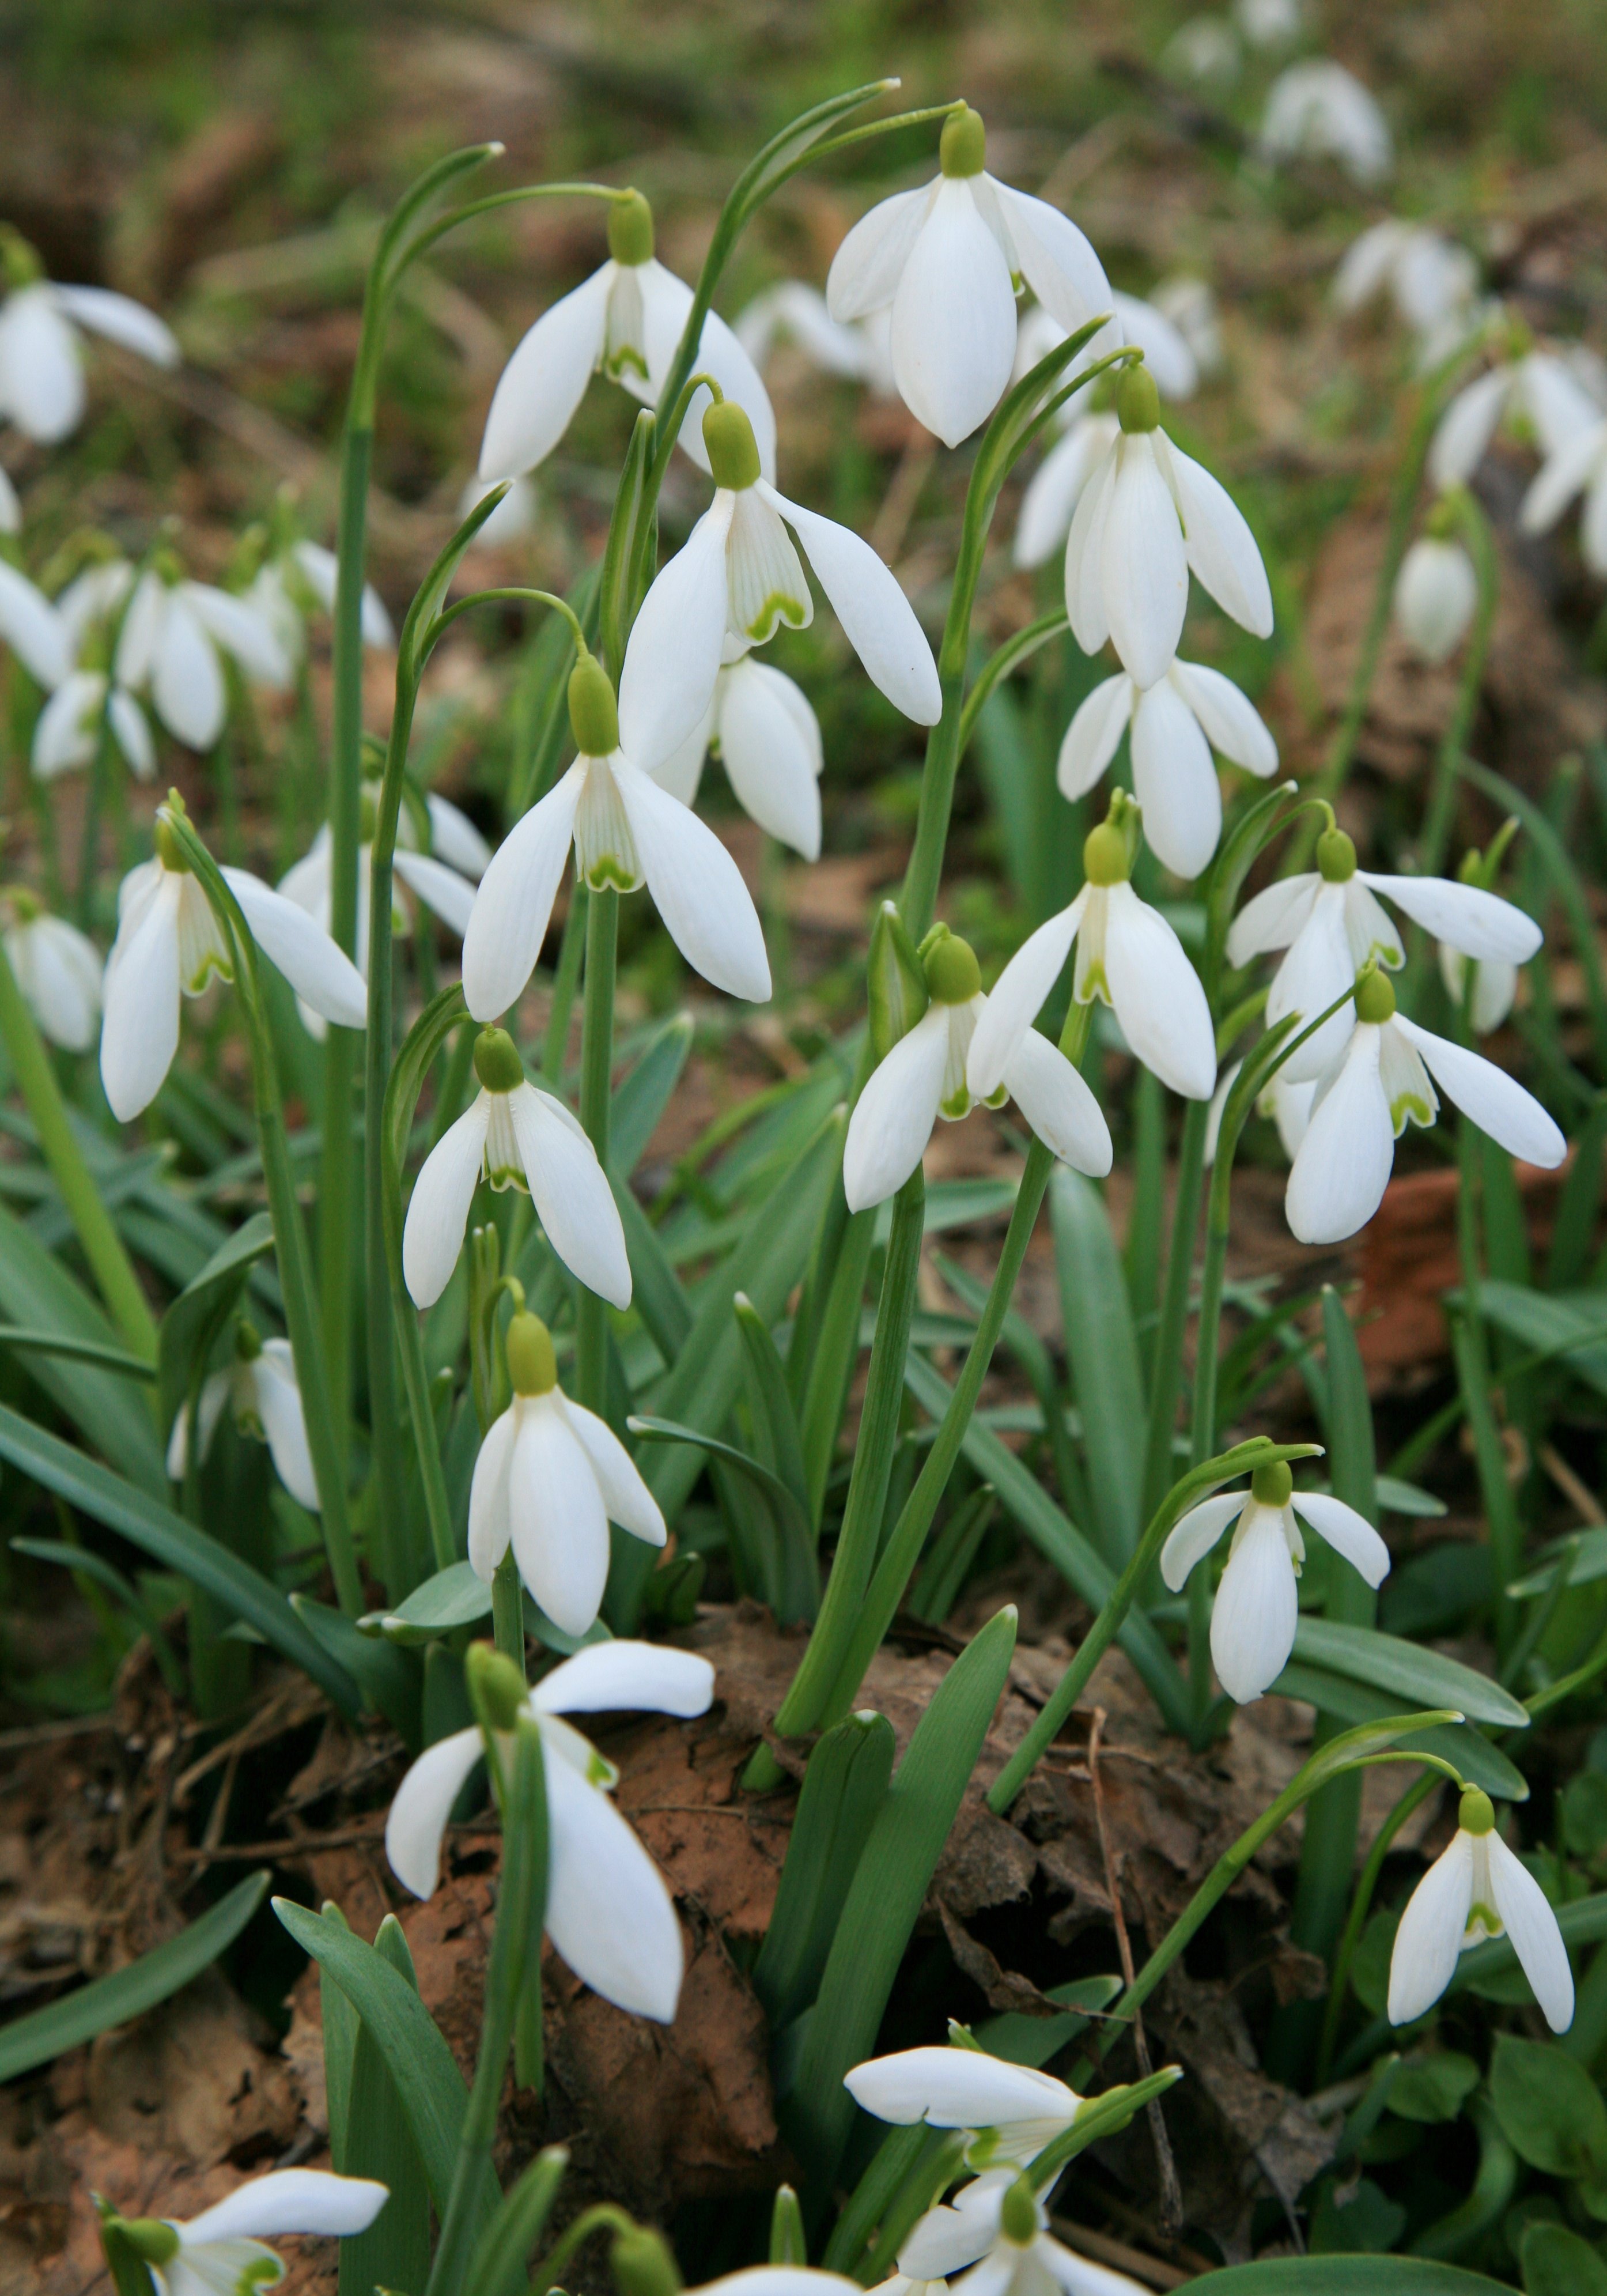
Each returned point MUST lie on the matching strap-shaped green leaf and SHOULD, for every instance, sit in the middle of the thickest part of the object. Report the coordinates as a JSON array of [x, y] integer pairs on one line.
[[844, 1788], [1348, 2275], [455, 1596], [391, 1678], [1424, 1677], [1350, 1703], [198, 1314], [643, 1093], [394, 2251], [1103, 1353], [108, 1410]]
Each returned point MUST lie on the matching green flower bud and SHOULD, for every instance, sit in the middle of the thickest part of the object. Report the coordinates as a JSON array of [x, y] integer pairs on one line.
[[643, 2265], [1105, 856], [1375, 998], [496, 1062], [248, 1340], [953, 974], [1271, 1485], [1137, 400], [532, 1365], [1018, 2214], [496, 1688], [962, 146], [150, 2238], [1478, 1812], [896, 979], [1335, 858], [733, 449], [594, 713], [630, 229]]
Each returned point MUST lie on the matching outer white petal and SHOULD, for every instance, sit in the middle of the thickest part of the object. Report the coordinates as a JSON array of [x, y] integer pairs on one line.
[[1367, 262], [1495, 989], [1052, 255], [140, 1033], [894, 1115], [1257, 1605], [1086, 608], [455, 839], [11, 505], [423, 1805], [1059, 1106], [945, 2241], [1436, 594], [865, 269], [720, 354], [1552, 394], [141, 630], [697, 887], [957, 2088], [289, 2200], [186, 683], [1273, 918], [608, 1911], [1055, 490], [1093, 736], [240, 630], [629, 1502], [1017, 999], [319, 973], [133, 732], [770, 743], [1193, 1536], [637, 1678], [283, 1422], [58, 970], [1429, 1939], [556, 1515], [1233, 725], [1174, 780], [544, 381], [439, 1211], [64, 733], [796, 311], [121, 320], [1593, 527], [1565, 474], [877, 618], [1164, 347], [442, 890], [1478, 924], [1319, 968], [1158, 998], [953, 318], [1342, 1166], [1221, 549], [33, 630], [1467, 428], [215, 1393], [515, 900], [1348, 1533], [1143, 566], [673, 657], [1496, 1103], [488, 1505], [570, 1191], [1537, 1940], [41, 376]]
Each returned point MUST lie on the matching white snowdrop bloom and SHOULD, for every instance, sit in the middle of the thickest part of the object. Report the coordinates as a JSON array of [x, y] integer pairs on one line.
[[173, 639], [1436, 592], [56, 967], [923, 1077], [68, 731], [549, 1480], [791, 311], [945, 259], [779, 2280], [1010, 2111], [1056, 487], [1128, 957], [1287, 1105], [1134, 324], [33, 628], [1477, 1887], [515, 1136], [625, 831], [1175, 725], [1531, 389], [1204, 49], [1495, 988], [993, 2234], [1576, 466], [220, 2252], [1316, 110], [1192, 308], [1430, 278], [169, 943], [1379, 1082], [514, 517], [768, 741], [739, 578], [1332, 925], [41, 357], [1270, 23], [1145, 517], [300, 581], [1257, 1607], [608, 1912], [260, 1388], [627, 319]]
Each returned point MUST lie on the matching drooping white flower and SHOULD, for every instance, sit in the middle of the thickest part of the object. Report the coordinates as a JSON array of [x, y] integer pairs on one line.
[[1530, 388], [1287, 1105], [768, 741], [515, 1136], [1575, 465], [1495, 988], [33, 628], [168, 944], [175, 634], [56, 967], [1257, 1607], [627, 319], [739, 578], [993, 2234], [1436, 592], [791, 311], [1269, 23], [1430, 278], [923, 1077], [1477, 1887], [1332, 925], [300, 581], [1175, 724], [779, 2280], [625, 831], [68, 731], [264, 1399], [1204, 49], [1012, 2112], [1379, 1082], [1145, 517], [1057, 486], [1128, 957], [220, 2252], [1316, 110], [608, 1912], [1192, 308], [41, 359], [945, 259]]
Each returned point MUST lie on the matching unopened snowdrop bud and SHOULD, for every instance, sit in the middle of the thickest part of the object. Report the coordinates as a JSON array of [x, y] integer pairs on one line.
[[1435, 593], [496, 1688], [642, 2264], [1476, 1888], [1018, 2213]]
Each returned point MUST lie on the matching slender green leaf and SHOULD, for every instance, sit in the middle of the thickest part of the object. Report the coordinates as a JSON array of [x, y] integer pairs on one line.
[[394, 2253], [107, 1575], [1590, 1562], [1103, 1353], [1350, 1701], [27, 1340], [774, 1421], [111, 1413], [455, 1596], [844, 1788], [341, 2025], [1026, 2040], [1424, 1677], [391, 1678], [1348, 2275], [202, 1308], [1572, 1327], [644, 1094], [658, 1293], [502, 2258]]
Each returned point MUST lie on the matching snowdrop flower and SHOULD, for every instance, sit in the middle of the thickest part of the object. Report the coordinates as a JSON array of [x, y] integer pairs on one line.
[[1192, 308], [1269, 23], [1332, 925], [1058, 484], [173, 636], [1175, 724], [739, 578], [769, 739], [57, 969], [859, 352], [924, 1076], [772, 2280], [945, 259], [550, 1478], [220, 2252], [627, 319], [1287, 1105], [608, 1912], [1436, 592], [1257, 1607], [68, 731], [1531, 389], [1318, 111], [514, 518], [997, 2228], [1380, 1082], [515, 1136], [625, 831], [260, 1389], [33, 628], [1145, 517], [169, 942], [1010, 2111], [1204, 49], [1429, 277], [41, 357], [1127, 956], [1495, 988], [1477, 1887], [299, 581], [1578, 465]]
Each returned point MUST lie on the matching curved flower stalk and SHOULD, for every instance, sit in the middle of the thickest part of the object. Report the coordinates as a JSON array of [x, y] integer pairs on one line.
[[550, 1478], [41, 351], [740, 578], [608, 1912], [1525, 388], [1435, 593], [1431, 281], [1257, 1607], [768, 738], [1379, 1082], [994, 2234], [515, 1136], [170, 943], [57, 968], [1127, 956], [860, 350], [625, 320], [1332, 925], [944, 260], [220, 2252], [1318, 111], [1477, 1887], [625, 831], [298, 582], [265, 1402], [1147, 516], [1009, 2111], [923, 1077], [1174, 724]]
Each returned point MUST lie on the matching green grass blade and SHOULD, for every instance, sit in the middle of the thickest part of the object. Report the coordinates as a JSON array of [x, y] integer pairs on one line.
[[844, 1788], [394, 2253], [1424, 1677], [1097, 1320]]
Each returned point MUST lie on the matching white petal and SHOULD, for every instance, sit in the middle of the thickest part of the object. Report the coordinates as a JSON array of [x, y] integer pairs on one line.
[[33, 630], [1319, 967], [1165, 352], [239, 629], [770, 744], [438, 1212], [1017, 999], [673, 656], [1367, 262], [41, 376], [1551, 395], [514, 904], [1429, 1939], [720, 354], [1221, 549], [894, 1115], [1435, 593], [455, 839], [319, 973], [11, 505], [1055, 490], [1478, 924], [1495, 1102], [1342, 1166], [1054, 259], [544, 381], [450, 897], [121, 320], [133, 732], [1094, 735], [1348, 1533], [865, 269], [64, 736], [1194, 1535], [629, 1502], [1059, 1106], [570, 1191], [1467, 428], [697, 888], [215, 1393], [1086, 608], [1254, 1615], [423, 1805], [141, 629], [628, 1676], [1144, 569], [953, 318], [945, 2241], [140, 1033], [1495, 989], [1174, 780], [1233, 725], [186, 683], [289, 2200], [283, 1422], [957, 2088], [1564, 475], [609, 1913], [1532, 1926], [58, 970], [555, 1511], [1273, 918], [877, 618], [489, 1517], [1158, 998]]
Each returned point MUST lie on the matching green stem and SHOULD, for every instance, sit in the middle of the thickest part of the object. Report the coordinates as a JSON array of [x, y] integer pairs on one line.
[[596, 1085], [1442, 796], [564, 982], [1168, 1382], [94, 799], [1416, 1794], [508, 1610]]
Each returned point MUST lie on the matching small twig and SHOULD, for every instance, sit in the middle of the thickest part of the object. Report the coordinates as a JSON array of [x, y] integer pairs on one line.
[[1573, 1490], [283, 1853], [46, 1733]]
